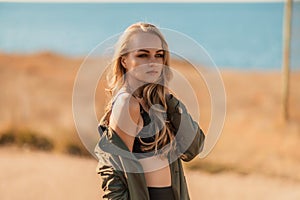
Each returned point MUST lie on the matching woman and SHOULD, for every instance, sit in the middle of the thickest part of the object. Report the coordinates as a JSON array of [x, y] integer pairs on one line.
[[146, 131]]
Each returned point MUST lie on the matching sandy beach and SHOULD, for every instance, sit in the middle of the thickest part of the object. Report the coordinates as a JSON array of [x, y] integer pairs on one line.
[[256, 156]]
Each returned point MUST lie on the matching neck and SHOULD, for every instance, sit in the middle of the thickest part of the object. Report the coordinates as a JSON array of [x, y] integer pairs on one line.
[[134, 86]]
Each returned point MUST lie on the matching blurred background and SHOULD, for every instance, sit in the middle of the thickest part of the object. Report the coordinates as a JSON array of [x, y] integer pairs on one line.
[[42, 46]]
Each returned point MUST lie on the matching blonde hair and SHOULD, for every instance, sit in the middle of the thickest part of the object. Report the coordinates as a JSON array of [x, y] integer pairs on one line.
[[152, 93]]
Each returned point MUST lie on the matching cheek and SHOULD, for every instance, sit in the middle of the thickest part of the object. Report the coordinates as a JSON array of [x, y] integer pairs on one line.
[[161, 68], [131, 64], [136, 62]]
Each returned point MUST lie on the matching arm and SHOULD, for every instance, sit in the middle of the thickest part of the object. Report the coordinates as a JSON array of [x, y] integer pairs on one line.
[[189, 136], [125, 115], [114, 184], [125, 118]]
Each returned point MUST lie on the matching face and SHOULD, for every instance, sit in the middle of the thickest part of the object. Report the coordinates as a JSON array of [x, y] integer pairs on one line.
[[144, 61]]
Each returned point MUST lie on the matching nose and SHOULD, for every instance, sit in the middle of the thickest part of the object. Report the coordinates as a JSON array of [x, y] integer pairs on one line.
[[151, 65], [153, 60]]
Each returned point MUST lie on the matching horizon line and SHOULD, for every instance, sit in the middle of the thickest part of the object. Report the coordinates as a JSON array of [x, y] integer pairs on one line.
[[146, 1]]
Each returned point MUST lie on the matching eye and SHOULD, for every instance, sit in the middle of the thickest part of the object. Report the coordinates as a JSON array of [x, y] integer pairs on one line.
[[159, 55], [142, 55]]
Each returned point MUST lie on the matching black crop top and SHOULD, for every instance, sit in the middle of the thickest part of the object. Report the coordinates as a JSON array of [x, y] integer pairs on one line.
[[143, 132]]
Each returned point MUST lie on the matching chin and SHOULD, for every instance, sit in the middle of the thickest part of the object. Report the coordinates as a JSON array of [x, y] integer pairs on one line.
[[152, 80]]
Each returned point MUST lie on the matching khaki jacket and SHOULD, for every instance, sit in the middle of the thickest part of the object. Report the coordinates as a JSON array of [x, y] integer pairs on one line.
[[117, 166]]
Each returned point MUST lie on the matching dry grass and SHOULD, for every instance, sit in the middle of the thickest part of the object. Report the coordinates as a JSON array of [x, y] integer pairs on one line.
[[37, 96]]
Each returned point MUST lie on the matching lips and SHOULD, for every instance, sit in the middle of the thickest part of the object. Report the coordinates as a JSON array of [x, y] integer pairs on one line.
[[152, 72]]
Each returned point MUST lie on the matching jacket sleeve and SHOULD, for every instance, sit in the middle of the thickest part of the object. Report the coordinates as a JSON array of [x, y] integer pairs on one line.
[[114, 183], [189, 136]]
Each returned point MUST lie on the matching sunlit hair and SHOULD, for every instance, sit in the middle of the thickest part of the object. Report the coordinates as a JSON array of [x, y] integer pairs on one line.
[[152, 93]]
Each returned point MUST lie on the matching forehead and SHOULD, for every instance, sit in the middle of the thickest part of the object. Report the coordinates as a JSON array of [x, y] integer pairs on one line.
[[142, 40]]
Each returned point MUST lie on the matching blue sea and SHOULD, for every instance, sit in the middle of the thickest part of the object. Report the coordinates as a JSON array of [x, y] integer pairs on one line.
[[236, 35]]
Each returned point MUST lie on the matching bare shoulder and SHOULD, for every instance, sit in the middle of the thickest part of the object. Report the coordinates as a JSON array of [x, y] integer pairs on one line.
[[124, 102], [125, 117]]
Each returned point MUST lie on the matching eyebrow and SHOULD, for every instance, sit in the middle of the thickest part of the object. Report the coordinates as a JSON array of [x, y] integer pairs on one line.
[[144, 50]]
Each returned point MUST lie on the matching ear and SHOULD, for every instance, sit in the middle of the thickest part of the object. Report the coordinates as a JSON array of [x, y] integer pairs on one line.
[[123, 61]]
